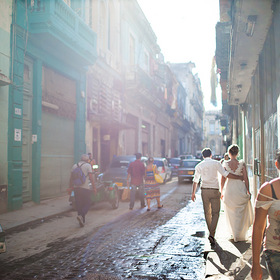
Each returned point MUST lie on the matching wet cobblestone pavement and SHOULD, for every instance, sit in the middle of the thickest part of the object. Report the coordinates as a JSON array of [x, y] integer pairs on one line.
[[160, 244]]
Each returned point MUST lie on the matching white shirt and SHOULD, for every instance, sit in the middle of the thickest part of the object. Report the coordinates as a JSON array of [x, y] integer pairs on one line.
[[208, 170]]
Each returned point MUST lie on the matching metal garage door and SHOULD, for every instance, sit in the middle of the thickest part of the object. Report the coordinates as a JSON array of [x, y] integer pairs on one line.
[[58, 118]]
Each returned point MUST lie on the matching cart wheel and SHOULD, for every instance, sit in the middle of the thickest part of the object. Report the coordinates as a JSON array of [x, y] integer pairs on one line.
[[115, 200]]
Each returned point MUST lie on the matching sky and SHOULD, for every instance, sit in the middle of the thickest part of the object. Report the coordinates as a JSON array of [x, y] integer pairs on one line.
[[185, 31]]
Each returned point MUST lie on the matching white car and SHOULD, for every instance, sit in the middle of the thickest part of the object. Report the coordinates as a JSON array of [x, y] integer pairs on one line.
[[164, 168]]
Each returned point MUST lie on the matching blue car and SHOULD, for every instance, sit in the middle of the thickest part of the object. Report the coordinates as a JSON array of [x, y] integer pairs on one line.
[[186, 169], [175, 163]]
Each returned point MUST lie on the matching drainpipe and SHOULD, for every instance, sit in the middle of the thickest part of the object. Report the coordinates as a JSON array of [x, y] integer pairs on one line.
[[234, 128], [254, 153], [262, 137], [244, 135], [99, 145], [244, 108]]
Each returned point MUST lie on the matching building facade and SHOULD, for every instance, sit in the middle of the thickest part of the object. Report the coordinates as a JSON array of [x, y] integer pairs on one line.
[[5, 54], [191, 107], [50, 46], [213, 136], [85, 76], [248, 58], [105, 85]]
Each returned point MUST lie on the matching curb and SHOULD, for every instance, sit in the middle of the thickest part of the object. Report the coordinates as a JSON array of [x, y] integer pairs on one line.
[[18, 228]]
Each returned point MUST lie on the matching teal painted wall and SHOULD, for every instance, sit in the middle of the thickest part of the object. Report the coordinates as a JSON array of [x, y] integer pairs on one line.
[[4, 100], [36, 129], [55, 59], [5, 25], [15, 120]]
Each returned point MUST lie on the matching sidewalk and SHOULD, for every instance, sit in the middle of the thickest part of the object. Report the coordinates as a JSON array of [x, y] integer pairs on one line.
[[228, 260], [31, 213]]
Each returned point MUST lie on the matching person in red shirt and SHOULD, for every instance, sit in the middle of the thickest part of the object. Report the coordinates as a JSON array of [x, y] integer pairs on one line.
[[136, 172]]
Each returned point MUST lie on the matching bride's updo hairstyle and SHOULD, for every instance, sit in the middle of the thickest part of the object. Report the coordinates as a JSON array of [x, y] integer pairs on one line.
[[233, 149]]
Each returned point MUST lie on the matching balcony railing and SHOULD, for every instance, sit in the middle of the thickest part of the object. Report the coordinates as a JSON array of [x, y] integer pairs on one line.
[[139, 82], [57, 22]]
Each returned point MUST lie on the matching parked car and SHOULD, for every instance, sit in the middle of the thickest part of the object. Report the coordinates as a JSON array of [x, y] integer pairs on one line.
[[186, 157], [117, 170], [164, 168], [175, 163], [186, 169]]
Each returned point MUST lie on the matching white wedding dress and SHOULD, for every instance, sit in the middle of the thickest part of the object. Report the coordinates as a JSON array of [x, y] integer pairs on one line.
[[237, 205]]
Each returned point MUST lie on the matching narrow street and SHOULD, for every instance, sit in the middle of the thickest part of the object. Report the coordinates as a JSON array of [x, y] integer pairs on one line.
[[115, 244]]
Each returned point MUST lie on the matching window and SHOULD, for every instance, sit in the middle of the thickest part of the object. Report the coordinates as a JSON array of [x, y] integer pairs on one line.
[[212, 127]]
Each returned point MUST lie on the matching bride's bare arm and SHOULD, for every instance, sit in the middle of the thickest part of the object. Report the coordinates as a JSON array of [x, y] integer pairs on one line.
[[223, 180]]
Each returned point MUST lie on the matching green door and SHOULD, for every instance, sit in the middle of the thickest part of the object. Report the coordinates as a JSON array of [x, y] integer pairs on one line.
[[27, 131]]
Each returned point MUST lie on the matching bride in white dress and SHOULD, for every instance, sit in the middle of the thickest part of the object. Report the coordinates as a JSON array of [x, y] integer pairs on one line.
[[237, 197]]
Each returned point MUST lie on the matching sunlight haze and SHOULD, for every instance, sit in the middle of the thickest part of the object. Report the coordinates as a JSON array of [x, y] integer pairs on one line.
[[185, 30]]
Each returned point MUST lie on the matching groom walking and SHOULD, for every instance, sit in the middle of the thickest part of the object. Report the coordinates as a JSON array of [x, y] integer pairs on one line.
[[207, 171]]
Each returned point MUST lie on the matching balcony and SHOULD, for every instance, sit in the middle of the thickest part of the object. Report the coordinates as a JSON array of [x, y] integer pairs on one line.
[[140, 85], [59, 30], [138, 78], [239, 42]]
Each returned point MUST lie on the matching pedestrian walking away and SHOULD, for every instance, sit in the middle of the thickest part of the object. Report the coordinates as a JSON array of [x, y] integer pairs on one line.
[[207, 172], [236, 197], [81, 175], [135, 180], [226, 157], [152, 189], [91, 160], [267, 206]]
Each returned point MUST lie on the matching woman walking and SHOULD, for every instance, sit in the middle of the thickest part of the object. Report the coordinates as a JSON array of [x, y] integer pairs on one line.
[[267, 206], [152, 190], [236, 197]]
